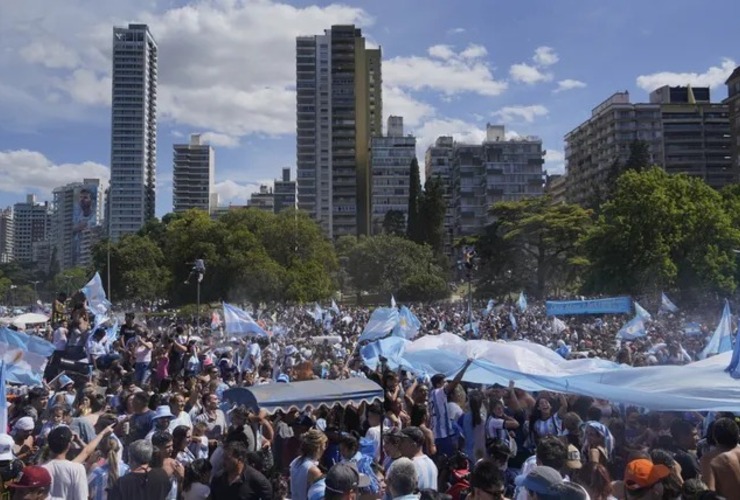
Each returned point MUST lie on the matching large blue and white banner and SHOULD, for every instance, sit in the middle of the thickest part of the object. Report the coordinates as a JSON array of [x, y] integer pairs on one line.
[[24, 356], [381, 323], [239, 322], [613, 305]]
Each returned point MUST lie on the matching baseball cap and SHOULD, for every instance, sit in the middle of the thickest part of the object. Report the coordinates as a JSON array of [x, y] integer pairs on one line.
[[344, 478], [574, 458], [540, 479], [414, 434], [32, 476], [6, 447], [642, 473], [24, 424]]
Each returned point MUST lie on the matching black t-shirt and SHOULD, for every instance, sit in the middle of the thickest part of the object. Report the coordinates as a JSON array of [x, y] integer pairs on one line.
[[252, 486], [151, 485], [127, 332], [690, 468]]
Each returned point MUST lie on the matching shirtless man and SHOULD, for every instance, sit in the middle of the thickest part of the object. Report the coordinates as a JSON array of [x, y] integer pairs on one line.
[[725, 467]]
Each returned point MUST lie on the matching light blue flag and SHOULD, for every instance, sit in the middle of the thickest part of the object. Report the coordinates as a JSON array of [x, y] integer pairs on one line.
[[692, 329], [328, 319], [318, 313], [489, 307], [3, 400], [25, 356], [666, 305], [393, 301], [239, 322], [512, 320], [472, 327], [642, 312], [95, 294], [334, 307], [381, 323], [734, 368], [408, 324], [633, 329], [522, 302], [721, 340]]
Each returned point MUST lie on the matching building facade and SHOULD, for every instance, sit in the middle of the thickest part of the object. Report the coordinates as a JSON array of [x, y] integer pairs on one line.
[[263, 199], [696, 135], [193, 172], [391, 158], [733, 108], [31, 224], [134, 129], [593, 147], [438, 163], [77, 217], [284, 193], [7, 236], [497, 170], [339, 108], [555, 188]]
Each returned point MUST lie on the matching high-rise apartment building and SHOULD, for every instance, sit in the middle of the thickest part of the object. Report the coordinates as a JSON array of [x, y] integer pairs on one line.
[[497, 170], [391, 158], [733, 108], [438, 163], [696, 135], [592, 148], [284, 193], [193, 175], [134, 129], [31, 224], [7, 236], [339, 108], [76, 219]]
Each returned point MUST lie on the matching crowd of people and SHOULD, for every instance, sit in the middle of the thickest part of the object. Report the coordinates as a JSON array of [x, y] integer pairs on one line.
[[142, 414]]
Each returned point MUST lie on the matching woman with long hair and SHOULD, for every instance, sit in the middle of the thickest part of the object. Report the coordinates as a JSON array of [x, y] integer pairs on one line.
[[599, 443], [106, 470], [544, 421], [595, 479], [181, 437], [304, 470], [472, 424]]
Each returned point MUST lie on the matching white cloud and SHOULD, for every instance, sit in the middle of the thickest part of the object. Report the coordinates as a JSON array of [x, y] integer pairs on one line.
[[399, 103], [569, 84], [712, 77], [85, 87], [445, 71], [216, 139], [50, 54], [545, 56], [233, 193], [554, 162], [30, 171], [526, 113], [455, 31], [526, 73]]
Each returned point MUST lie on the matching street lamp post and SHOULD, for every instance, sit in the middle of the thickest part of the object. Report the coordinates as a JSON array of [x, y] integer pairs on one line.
[[198, 270], [35, 288]]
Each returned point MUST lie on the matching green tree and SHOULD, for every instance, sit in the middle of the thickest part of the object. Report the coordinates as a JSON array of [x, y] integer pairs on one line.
[[639, 158], [386, 264], [542, 237], [70, 280], [432, 207], [413, 227], [661, 231], [394, 223]]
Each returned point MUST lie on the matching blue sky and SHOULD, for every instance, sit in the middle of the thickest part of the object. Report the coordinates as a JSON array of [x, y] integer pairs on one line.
[[227, 70]]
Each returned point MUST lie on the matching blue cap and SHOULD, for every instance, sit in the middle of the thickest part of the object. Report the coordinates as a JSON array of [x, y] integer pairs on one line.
[[65, 380]]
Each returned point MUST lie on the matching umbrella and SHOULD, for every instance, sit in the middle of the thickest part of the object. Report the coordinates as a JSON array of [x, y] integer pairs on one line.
[[30, 319]]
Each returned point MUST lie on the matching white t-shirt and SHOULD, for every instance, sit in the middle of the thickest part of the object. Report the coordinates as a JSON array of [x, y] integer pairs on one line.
[[59, 339], [427, 472], [68, 480], [197, 491]]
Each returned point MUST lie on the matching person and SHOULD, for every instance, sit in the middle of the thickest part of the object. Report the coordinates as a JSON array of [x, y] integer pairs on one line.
[[725, 467], [344, 481], [104, 474], [304, 470], [99, 350], [599, 443], [685, 438], [543, 422], [472, 425], [486, 481], [539, 483], [197, 475], [10, 467], [68, 479], [643, 479], [143, 482], [551, 452], [412, 447], [160, 420], [402, 479], [34, 484], [213, 417], [441, 423], [198, 270], [240, 481]]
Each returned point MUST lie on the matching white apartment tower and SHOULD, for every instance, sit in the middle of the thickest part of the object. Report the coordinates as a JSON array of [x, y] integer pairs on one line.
[[134, 130], [31, 225], [76, 222], [193, 175]]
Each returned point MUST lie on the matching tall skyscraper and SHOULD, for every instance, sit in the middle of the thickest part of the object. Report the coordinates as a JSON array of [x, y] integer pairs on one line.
[[438, 163], [7, 236], [76, 222], [193, 175], [134, 130], [31, 225], [285, 192], [391, 158], [339, 108]]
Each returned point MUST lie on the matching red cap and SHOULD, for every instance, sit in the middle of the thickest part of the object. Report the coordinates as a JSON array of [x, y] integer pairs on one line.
[[643, 473], [33, 476]]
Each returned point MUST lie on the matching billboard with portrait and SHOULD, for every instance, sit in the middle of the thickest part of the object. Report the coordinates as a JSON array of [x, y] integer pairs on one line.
[[85, 208]]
